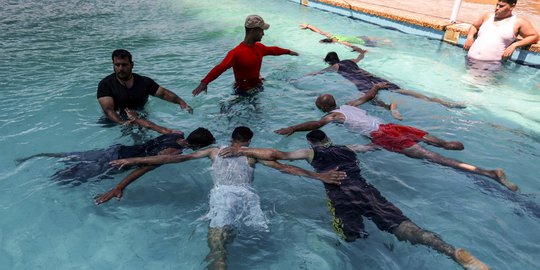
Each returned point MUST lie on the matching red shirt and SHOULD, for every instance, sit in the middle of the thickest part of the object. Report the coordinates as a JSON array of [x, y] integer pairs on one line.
[[246, 63]]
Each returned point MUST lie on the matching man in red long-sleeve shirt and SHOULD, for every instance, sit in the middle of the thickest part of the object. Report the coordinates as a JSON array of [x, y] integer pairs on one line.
[[245, 59]]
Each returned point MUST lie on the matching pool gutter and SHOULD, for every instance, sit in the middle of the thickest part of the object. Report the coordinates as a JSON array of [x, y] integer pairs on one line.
[[413, 23]]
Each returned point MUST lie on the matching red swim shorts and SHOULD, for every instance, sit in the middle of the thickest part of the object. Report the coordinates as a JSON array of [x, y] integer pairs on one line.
[[393, 137]]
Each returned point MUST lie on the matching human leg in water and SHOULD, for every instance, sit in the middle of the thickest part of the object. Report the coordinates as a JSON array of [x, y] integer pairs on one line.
[[408, 231], [218, 239], [438, 142], [419, 152], [424, 97]]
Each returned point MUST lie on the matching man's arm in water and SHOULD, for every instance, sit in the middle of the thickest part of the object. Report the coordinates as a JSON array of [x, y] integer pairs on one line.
[[372, 95], [163, 159], [306, 126], [168, 95], [361, 53], [134, 119], [369, 95], [331, 177], [155, 161], [267, 153]]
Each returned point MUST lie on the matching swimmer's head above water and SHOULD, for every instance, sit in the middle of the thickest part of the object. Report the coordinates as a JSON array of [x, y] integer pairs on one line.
[[318, 138], [200, 138], [326, 103], [328, 40], [242, 135], [331, 58]]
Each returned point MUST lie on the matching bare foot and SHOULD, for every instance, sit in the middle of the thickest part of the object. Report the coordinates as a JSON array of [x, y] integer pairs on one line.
[[468, 261], [500, 176], [394, 111]]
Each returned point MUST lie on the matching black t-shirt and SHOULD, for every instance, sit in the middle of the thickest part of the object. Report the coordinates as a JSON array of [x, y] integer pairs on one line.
[[132, 98], [330, 157], [151, 147], [362, 79]]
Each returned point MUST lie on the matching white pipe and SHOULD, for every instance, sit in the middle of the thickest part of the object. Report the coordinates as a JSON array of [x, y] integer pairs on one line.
[[455, 11]]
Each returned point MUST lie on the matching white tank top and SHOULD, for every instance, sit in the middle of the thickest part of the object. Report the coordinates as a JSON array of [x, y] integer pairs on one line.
[[357, 120], [232, 171], [493, 39]]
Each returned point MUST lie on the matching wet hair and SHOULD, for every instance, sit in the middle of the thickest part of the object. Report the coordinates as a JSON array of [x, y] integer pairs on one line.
[[121, 53], [326, 40], [242, 134], [510, 2], [331, 58], [316, 136], [200, 137]]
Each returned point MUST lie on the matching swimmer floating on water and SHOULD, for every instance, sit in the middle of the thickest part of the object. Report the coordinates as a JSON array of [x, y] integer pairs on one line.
[[82, 166], [349, 41], [392, 137], [363, 81], [232, 198], [354, 197]]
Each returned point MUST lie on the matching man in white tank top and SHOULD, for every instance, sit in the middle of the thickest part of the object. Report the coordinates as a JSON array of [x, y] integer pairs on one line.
[[497, 32], [392, 137], [232, 201]]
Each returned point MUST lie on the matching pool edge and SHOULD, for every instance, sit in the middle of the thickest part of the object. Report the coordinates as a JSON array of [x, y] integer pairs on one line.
[[413, 23]]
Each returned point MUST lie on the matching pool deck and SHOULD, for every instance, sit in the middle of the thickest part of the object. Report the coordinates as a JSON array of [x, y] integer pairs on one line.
[[432, 19]]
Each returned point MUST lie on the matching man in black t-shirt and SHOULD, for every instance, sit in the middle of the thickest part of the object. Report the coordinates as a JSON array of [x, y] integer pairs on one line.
[[127, 90], [354, 197]]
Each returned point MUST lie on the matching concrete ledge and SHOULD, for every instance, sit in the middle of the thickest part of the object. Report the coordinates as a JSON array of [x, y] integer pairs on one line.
[[413, 23]]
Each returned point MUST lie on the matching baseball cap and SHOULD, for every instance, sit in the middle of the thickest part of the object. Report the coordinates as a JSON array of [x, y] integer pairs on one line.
[[254, 21]]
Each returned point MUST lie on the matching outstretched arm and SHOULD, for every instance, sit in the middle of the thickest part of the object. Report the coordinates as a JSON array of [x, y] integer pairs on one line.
[[107, 105], [361, 53], [137, 173], [169, 96], [331, 68], [315, 29], [225, 64], [118, 190], [310, 125], [372, 93], [134, 119], [266, 153], [331, 177], [162, 159]]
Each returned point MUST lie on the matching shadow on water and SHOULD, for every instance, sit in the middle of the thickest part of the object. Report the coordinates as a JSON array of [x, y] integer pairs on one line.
[[242, 110], [526, 202]]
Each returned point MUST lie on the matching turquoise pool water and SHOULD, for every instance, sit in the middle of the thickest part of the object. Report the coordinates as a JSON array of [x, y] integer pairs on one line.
[[55, 52]]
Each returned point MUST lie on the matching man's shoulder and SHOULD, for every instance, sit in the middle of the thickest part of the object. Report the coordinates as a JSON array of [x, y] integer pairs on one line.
[[259, 45], [335, 115], [138, 76], [522, 20], [108, 79], [487, 15]]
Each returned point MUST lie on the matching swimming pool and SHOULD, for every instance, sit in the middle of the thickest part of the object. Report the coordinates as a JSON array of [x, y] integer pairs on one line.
[[55, 53]]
